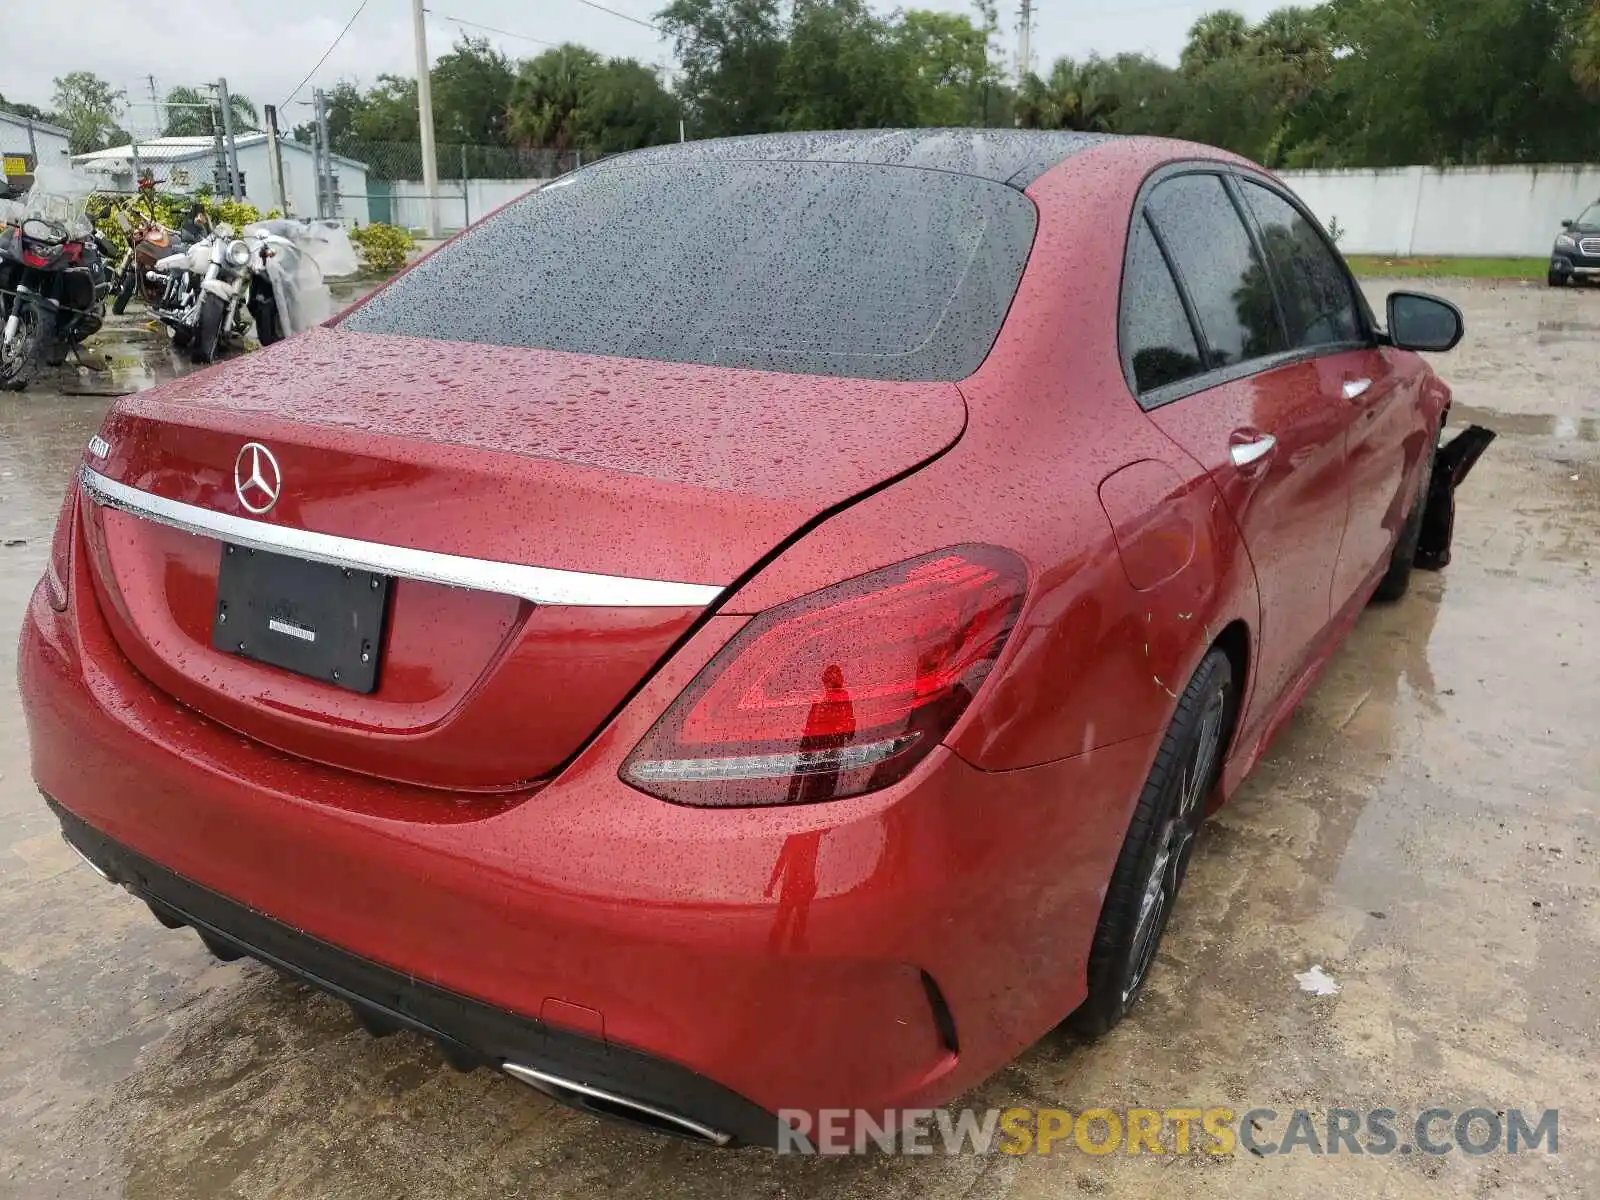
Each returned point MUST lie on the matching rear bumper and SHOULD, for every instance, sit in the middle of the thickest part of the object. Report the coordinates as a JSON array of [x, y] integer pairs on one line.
[[609, 1080], [885, 951]]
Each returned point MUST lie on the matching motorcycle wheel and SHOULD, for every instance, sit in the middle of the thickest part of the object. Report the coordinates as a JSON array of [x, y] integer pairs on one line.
[[125, 285], [269, 328], [208, 330], [35, 329]]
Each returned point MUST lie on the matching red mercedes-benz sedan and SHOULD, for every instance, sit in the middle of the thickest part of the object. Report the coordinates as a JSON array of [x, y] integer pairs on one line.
[[754, 626]]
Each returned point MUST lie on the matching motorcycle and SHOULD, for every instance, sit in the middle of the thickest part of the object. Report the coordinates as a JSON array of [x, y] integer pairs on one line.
[[149, 242], [270, 274], [199, 290], [53, 278]]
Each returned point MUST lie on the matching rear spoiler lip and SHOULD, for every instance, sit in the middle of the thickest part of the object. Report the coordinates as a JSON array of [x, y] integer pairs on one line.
[[538, 585]]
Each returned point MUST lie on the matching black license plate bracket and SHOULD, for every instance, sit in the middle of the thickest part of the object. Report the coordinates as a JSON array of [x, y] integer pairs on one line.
[[311, 618]]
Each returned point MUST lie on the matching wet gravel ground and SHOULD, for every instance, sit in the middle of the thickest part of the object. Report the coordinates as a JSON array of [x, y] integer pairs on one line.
[[1427, 829]]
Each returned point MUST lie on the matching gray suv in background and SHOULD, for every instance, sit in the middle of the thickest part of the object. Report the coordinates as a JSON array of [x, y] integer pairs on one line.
[[1576, 254]]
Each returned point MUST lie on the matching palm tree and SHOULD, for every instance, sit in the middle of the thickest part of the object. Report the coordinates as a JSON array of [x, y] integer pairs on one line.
[[1214, 37], [1299, 42], [190, 113], [547, 100], [1069, 99], [1586, 56]]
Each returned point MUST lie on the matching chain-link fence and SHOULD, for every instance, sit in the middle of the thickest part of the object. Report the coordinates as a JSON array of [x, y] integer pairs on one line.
[[383, 181], [358, 183]]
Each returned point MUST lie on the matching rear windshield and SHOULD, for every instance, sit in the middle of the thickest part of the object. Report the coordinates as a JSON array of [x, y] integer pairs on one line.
[[817, 268]]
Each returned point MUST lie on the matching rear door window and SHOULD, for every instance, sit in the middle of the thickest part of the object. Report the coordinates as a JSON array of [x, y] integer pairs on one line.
[[1317, 297], [1158, 342], [1216, 257], [876, 272]]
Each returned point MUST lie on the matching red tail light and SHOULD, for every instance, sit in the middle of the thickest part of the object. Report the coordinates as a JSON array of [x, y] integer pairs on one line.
[[839, 692]]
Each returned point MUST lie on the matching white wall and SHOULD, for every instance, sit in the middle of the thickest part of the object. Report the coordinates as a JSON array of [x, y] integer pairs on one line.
[[483, 196], [1448, 211], [51, 148], [300, 182]]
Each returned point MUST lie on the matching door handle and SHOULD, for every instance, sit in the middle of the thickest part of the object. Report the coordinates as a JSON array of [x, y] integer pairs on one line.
[[1245, 453], [1354, 389]]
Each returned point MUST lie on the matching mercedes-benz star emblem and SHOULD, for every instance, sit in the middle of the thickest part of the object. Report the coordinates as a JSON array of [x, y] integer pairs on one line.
[[256, 478]]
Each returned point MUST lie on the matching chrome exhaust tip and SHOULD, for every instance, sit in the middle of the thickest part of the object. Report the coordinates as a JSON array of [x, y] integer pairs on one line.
[[93, 866], [608, 1104]]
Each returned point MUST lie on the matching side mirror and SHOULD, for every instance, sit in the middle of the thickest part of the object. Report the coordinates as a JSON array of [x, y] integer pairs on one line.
[[1568, 224], [1418, 322]]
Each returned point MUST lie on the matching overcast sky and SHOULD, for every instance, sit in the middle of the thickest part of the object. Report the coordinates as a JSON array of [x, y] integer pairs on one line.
[[267, 47]]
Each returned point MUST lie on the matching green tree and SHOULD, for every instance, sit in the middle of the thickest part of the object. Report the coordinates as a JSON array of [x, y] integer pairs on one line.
[[844, 69], [387, 113], [1451, 81], [1215, 37], [472, 93], [1070, 97], [1586, 54], [951, 71], [625, 107], [547, 101], [732, 53], [191, 112], [88, 107], [1144, 96], [27, 110]]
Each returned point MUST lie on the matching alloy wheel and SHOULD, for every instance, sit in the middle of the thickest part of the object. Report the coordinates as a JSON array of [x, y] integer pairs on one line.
[[1176, 840]]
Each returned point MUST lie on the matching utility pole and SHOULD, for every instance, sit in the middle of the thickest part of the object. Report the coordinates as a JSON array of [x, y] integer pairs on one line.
[[155, 106], [225, 100], [219, 155], [280, 200], [316, 145], [430, 163], [1025, 43], [326, 203]]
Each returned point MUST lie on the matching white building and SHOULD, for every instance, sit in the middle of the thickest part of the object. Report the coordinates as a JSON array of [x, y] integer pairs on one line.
[[181, 164], [25, 144]]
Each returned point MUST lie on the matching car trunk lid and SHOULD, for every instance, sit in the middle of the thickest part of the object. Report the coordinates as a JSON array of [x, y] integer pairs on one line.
[[613, 476]]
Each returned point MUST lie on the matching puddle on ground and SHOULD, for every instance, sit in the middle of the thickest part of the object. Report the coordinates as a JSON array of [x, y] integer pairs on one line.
[[1567, 331], [1567, 428], [121, 367]]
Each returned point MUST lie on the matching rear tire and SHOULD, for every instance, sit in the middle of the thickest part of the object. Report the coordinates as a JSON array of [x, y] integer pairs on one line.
[[125, 285], [1396, 581], [1155, 854], [208, 329], [35, 331], [269, 328]]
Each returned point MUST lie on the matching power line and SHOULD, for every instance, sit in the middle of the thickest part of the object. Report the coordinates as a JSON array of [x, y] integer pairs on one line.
[[623, 15], [526, 38], [488, 28], [324, 57]]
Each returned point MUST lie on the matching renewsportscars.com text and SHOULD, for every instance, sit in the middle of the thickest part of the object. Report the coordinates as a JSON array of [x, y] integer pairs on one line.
[[1151, 1131]]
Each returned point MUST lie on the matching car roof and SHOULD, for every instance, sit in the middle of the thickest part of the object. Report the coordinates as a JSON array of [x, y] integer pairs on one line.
[[1011, 156]]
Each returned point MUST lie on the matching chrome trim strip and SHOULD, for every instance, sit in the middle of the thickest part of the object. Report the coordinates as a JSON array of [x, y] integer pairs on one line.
[[540, 585], [543, 1081], [92, 865]]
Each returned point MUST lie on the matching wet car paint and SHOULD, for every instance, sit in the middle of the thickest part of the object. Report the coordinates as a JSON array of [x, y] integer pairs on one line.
[[1428, 792]]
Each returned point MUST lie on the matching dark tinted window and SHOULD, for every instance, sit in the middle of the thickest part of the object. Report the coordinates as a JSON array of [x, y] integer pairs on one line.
[[1317, 298], [1232, 294], [821, 268], [1158, 345]]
